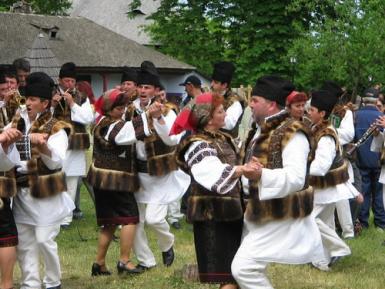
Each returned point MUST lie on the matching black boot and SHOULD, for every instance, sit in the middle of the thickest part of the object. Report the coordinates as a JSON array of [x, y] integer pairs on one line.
[[168, 257]]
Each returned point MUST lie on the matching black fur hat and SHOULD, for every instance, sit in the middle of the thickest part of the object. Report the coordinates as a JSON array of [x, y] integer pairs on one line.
[[39, 84], [68, 70], [274, 88], [223, 72]]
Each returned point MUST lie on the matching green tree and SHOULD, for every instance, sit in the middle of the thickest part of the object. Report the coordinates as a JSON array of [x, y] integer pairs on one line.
[[255, 35], [346, 46], [47, 7]]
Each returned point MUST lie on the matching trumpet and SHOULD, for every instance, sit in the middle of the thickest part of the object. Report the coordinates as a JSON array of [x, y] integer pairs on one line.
[[368, 133], [17, 100]]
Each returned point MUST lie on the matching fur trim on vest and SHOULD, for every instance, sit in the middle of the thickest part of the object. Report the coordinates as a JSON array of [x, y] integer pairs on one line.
[[338, 172], [203, 204], [8, 187], [114, 166], [79, 139], [275, 134], [42, 181]]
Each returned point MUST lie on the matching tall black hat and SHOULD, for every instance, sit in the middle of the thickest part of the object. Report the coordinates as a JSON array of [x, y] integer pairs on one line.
[[129, 74], [223, 72], [68, 70], [324, 100], [332, 87], [273, 87], [39, 84], [148, 74]]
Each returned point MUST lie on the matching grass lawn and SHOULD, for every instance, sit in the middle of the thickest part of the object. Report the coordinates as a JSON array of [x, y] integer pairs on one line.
[[365, 268]]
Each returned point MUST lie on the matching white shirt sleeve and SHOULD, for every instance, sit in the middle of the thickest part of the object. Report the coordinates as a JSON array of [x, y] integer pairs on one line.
[[346, 129], [163, 130], [208, 170], [10, 159], [278, 183], [127, 135], [233, 113], [324, 156], [377, 142], [58, 145], [82, 113]]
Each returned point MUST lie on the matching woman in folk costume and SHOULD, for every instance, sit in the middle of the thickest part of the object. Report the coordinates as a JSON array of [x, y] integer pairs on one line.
[[295, 104], [329, 176], [8, 232], [41, 201], [113, 175], [215, 206]]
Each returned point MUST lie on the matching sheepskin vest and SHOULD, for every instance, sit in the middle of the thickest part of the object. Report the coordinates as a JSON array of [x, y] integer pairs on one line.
[[41, 181], [79, 139], [338, 172], [160, 156], [114, 166], [275, 134], [203, 204]]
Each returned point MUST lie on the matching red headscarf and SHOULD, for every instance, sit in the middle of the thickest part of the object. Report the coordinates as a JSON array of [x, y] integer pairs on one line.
[[195, 114], [107, 102]]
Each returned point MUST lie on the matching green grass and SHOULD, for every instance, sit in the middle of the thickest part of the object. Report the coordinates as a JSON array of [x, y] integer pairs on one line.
[[365, 268]]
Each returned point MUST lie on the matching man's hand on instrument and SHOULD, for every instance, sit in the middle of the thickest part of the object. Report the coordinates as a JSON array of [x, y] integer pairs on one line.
[[68, 97]]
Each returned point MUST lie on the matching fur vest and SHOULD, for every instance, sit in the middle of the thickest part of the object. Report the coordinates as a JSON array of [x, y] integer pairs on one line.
[[114, 166], [160, 157], [229, 99], [79, 139], [42, 181], [338, 172], [275, 134], [8, 187], [203, 204]]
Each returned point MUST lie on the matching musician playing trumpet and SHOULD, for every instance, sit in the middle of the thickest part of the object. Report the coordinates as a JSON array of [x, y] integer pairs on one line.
[[74, 107]]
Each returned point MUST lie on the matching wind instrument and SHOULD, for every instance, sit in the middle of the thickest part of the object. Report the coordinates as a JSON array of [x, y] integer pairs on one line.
[[368, 133]]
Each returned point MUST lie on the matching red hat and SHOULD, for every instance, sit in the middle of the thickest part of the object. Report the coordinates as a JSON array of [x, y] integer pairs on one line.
[[296, 96]]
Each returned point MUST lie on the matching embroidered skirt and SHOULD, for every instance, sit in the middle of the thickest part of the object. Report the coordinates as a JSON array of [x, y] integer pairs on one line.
[[215, 245], [8, 230], [115, 208]]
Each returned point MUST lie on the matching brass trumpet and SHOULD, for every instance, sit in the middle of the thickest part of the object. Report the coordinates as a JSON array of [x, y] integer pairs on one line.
[[17, 100]]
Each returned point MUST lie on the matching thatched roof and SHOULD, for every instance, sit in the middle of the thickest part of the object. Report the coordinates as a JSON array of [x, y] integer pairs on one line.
[[78, 40], [113, 16], [41, 57]]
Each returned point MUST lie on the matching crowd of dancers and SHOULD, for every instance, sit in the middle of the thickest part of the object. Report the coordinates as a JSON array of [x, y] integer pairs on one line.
[[260, 179]]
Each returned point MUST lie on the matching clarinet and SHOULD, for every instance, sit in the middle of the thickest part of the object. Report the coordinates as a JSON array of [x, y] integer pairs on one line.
[[369, 132]]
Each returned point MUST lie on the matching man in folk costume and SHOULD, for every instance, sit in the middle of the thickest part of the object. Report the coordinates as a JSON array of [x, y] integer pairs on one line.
[[278, 225], [73, 107], [41, 202], [220, 83], [161, 182], [329, 176], [9, 157], [342, 120], [128, 83]]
